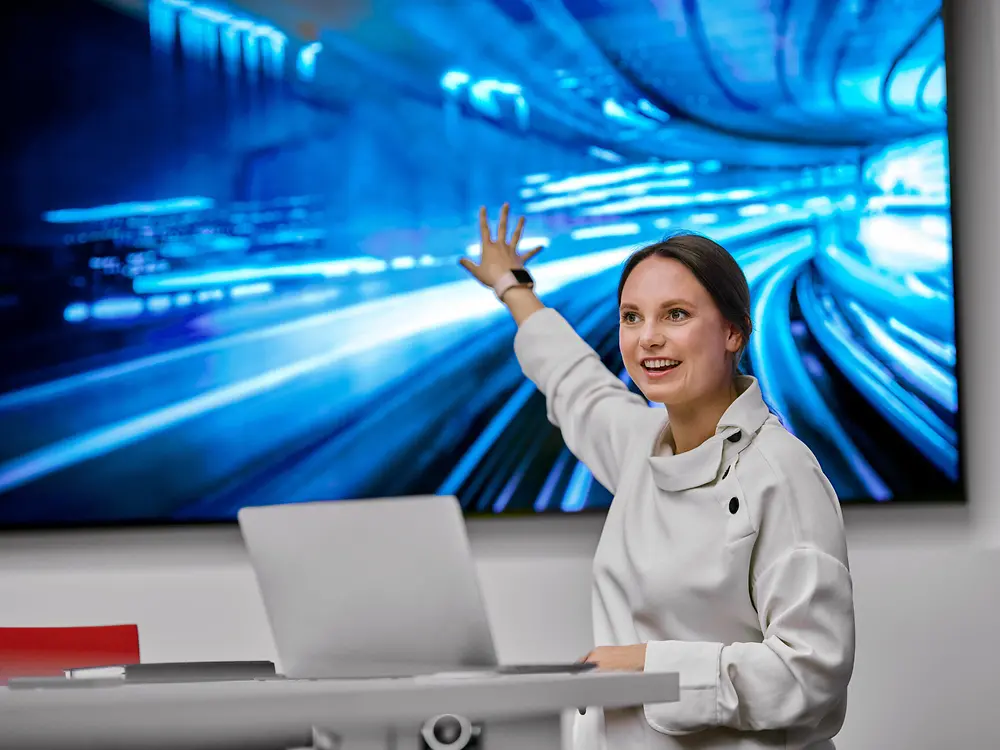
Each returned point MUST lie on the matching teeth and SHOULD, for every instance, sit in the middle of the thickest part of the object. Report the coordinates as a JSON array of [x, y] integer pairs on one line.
[[656, 363]]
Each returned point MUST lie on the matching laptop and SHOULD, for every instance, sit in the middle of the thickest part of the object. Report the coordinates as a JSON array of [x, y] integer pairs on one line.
[[372, 588]]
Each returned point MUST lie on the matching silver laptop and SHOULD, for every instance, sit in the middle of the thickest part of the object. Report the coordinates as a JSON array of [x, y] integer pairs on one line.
[[369, 588]]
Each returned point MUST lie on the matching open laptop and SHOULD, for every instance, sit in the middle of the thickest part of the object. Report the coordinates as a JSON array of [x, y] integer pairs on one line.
[[372, 588]]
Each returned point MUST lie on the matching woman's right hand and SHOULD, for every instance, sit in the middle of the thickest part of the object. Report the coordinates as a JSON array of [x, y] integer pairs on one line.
[[498, 255]]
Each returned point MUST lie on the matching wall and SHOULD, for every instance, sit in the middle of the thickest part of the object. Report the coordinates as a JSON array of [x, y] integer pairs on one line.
[[927, 589], [926, 600]]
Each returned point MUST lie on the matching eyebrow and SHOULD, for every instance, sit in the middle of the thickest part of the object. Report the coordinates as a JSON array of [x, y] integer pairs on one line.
[[670, 303]]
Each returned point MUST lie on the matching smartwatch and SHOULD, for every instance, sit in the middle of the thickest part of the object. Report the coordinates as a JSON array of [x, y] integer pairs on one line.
[[514, 277]]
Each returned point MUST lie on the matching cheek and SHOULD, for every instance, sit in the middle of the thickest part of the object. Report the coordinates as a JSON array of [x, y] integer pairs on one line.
[[688, 340], [627, 342], [699, 343]]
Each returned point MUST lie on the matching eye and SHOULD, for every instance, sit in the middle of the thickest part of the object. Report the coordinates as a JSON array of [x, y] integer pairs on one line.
[[677, 314], [630, 317]]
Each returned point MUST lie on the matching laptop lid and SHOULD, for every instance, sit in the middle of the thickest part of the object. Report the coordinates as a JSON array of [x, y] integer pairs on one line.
[[369, 588]]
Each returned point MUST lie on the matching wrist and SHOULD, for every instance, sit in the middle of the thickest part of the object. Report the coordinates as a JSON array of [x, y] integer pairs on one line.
[[512, 279], [522, 303], [517, 294]]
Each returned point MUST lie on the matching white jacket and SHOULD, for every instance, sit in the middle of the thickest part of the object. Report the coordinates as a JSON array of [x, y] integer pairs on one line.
[[729, 561]]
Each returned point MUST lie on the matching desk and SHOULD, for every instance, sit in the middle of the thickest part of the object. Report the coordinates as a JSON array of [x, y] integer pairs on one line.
[[518, 711]]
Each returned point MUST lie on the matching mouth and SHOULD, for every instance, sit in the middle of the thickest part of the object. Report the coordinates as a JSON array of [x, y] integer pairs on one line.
[[656, 368]]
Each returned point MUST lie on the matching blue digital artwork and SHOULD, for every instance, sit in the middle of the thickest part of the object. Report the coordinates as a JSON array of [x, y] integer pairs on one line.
[[229, 245]]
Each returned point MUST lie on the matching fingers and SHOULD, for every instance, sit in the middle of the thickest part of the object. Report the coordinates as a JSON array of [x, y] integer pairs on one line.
[[531, 254], [485, 236], [484, 226], [517, 234], [502, 225], [471, 267]]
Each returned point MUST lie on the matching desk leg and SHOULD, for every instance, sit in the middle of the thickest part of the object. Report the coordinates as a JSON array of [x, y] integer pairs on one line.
[[323, 739], [536, 733]]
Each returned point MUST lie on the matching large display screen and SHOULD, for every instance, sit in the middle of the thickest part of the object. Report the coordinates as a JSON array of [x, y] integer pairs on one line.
[[230, 238]]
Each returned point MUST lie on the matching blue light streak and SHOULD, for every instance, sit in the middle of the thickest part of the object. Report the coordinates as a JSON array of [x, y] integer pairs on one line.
[[205, 29], [128, 210], [305, 63], [485, 94], [172, 282], [911, 417]]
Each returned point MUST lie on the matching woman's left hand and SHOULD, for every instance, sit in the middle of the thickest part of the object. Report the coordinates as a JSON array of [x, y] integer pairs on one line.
[[618, 658]]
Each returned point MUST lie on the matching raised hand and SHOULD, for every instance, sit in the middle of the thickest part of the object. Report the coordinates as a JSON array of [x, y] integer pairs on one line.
[[498, 254]]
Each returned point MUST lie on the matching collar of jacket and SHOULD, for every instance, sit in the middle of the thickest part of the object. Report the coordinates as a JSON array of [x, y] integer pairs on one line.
[[702, 465]]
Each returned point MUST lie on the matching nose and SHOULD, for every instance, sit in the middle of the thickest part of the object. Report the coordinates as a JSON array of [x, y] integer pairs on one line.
[[651, 337]]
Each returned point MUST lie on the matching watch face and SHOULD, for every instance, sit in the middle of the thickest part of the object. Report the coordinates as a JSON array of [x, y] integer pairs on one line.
[[522, 276]]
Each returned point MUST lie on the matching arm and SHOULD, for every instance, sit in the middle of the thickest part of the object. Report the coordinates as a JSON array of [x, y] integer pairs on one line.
[[802, 590], [596, 412], [522, 303], [593, 408]]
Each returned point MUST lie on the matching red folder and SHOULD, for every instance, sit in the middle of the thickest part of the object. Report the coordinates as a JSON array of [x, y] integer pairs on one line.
[[46, 652]]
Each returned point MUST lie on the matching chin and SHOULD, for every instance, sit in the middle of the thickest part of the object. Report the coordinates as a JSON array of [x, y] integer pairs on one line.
[[666, 401], [664, 394]]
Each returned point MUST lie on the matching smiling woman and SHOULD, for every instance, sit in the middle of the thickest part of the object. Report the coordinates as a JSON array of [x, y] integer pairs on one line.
[[723, 556], [685, 323]]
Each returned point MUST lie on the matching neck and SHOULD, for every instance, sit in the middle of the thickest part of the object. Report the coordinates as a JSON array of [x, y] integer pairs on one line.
[[694, 423]]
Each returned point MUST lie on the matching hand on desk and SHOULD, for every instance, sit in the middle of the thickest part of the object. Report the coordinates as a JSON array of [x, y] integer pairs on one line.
[[618, 658]]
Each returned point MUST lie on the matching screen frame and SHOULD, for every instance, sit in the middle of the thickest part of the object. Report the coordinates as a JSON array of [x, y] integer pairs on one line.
[[948, 10]]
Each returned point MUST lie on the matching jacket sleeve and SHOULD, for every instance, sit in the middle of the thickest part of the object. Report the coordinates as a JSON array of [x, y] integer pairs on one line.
[[595, 410], [802, 590]]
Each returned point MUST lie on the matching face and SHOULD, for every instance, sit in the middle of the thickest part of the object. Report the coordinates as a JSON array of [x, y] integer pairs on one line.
[[676, 345]]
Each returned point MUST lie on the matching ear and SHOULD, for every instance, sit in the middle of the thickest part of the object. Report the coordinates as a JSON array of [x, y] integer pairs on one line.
[[734, 339]]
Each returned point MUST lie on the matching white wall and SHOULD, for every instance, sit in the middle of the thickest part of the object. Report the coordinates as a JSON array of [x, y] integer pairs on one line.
[[927, 583], [927, 606]]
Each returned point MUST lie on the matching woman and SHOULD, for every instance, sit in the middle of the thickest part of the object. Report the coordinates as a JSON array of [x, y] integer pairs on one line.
[[723, 556]]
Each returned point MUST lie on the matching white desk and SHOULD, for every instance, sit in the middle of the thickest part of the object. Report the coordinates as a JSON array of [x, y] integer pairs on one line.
[[522, 712]]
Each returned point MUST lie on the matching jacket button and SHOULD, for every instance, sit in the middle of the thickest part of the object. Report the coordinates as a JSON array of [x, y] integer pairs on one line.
[[734, 504], [735, 437]]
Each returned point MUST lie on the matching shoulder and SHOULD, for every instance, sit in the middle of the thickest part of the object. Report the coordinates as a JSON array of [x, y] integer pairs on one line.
[[795, 499], [647, 424], [783, 456]]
